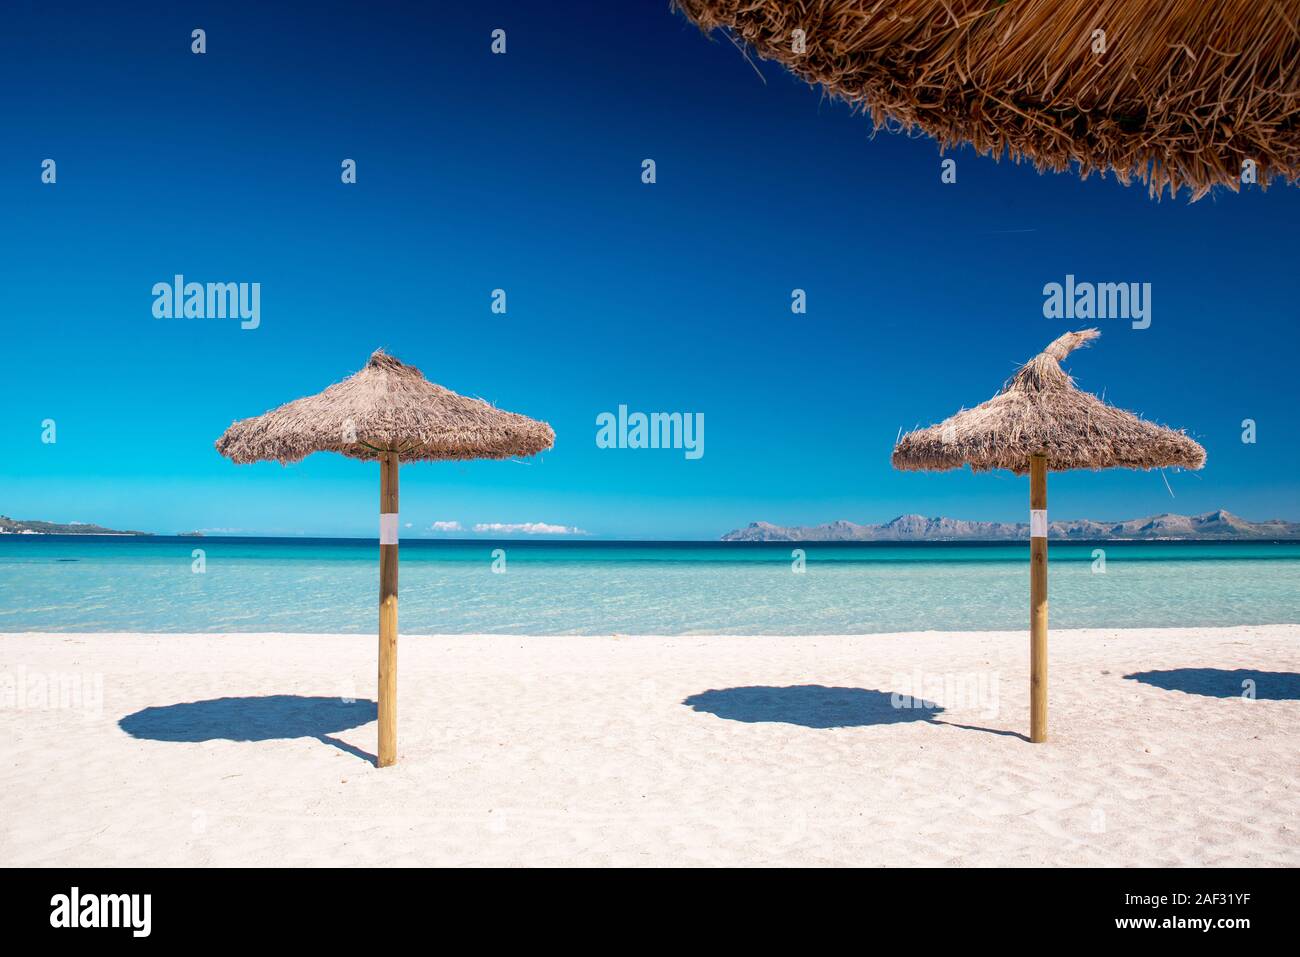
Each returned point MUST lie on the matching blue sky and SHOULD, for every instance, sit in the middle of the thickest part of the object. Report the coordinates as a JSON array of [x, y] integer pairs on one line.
[[523, 172]]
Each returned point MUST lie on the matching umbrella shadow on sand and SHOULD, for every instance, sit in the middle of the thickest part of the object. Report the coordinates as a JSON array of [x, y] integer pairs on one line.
[[1225, 682], [266, 718], [817, 706]]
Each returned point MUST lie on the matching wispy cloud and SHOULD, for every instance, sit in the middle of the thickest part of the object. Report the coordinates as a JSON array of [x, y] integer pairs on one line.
[[446, 527], [527, 528]]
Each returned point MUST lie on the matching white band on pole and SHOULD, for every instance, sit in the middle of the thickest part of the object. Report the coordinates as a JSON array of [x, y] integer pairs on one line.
[[1038, 523], [387, 528]]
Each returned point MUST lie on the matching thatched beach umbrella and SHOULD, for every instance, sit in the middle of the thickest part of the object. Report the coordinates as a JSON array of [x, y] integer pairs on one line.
[[1171, 92], [386, 412], [1040, 421]]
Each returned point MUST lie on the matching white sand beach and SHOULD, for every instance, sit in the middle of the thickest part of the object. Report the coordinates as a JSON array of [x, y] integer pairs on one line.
[[651, 751]]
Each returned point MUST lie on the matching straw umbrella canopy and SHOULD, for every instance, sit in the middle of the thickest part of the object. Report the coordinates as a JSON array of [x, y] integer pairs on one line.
[[1170, 92], [388, 412], [1038, 422]]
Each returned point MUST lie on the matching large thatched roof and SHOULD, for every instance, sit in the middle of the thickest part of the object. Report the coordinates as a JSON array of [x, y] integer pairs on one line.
[[1185, 91], [1039, 409], [387, 406]]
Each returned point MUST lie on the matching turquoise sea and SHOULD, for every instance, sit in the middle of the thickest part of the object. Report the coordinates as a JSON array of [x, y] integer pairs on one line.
[[83, 583]]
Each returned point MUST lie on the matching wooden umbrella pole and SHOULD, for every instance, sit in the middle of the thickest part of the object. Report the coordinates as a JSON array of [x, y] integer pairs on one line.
[[1038, 598], [387, 609]]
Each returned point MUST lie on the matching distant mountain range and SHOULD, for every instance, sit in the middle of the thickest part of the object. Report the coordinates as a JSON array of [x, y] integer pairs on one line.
[[1220, 524], [12, 526]]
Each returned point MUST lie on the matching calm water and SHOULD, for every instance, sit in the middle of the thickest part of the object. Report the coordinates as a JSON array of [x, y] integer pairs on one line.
[[116, 584]]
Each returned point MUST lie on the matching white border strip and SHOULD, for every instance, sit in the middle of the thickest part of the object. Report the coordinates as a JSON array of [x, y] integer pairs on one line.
[[387, 528], [1038, 523]]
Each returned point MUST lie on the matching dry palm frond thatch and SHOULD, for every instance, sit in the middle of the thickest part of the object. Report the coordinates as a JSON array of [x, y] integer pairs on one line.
[[1040, 410], [1171, 92], [386, 407]]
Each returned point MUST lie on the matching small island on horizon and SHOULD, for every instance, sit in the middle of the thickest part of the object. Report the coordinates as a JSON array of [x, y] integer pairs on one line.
[[13, 526]]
